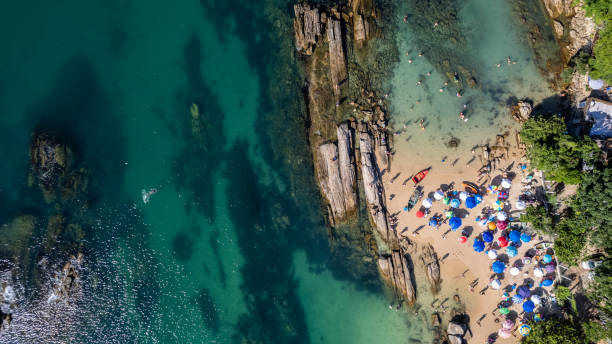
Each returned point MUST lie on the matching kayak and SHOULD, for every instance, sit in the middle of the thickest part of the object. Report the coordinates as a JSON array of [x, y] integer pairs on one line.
[[420, 176], [414, 199], [470, 187]]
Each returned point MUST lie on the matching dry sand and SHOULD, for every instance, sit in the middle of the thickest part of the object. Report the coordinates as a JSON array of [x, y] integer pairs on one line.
[[460, 265]]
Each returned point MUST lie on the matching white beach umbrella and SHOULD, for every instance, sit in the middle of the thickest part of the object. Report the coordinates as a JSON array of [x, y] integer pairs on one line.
[[506, 184], [495, 284], [492, 254], [463, 195], [514, 271], [438, 195], [521, 205], [535, 299], [427, 203], [537, 272], [502, 216], [482, 223]]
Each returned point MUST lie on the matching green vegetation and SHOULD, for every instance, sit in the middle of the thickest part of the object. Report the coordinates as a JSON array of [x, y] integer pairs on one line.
[[593, 206], [601, 290], [564, 331], [601, 63], [570, 240], [579, 63], [601, 10], [538, 218], [551, 149]]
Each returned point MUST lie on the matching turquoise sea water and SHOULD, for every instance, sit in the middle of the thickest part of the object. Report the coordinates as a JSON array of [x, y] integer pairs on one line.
[[233, 247]]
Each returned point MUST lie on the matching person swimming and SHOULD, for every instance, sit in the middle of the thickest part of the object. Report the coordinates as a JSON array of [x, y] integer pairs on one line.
[[146, 194]]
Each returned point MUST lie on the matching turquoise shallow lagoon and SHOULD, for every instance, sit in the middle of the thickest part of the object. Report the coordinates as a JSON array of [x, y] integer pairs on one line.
[[232, 247]]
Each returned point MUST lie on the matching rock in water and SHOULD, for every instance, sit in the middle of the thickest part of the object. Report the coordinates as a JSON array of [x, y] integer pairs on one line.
[[429, 259], [372, 185], [521, 111], [336, 54], [346, 163], [49, 159], [330, 181]]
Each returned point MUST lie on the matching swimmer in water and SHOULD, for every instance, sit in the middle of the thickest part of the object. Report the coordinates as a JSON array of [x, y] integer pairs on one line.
[[458, 94], [410, 61], [441, 90]]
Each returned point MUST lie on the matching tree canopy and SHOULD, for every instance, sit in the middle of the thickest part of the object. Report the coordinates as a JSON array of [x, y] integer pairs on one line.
[[601, 63], [551, 149], [593, 206]]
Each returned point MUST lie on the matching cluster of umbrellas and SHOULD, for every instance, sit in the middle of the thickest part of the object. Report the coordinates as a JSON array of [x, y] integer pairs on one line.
[[505, 331]]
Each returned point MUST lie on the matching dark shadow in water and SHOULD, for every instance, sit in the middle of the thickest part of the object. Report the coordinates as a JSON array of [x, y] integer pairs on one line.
[[182, 246], [196, 165], [208, 310], [274, 310], [214, 244]]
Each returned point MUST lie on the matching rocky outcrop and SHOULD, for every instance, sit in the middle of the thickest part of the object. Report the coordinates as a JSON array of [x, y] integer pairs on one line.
[[396, 270], [455, 332], [372, 185], [521, 111], [49, 158], [337, 58], [429, 260], [67, 281], [307, 27], [574, 30], [346, 160]]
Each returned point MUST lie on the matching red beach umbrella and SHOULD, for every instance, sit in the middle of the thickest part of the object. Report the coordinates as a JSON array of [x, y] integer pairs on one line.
[[420, 214], [503, 241], [502, 225], [462, 239]]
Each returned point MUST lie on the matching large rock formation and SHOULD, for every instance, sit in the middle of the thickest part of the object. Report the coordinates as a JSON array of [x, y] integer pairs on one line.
[[572, 27], [336, 54], [395, 268], [49, 158], [307, 27], [346, 159], [429, 260], [521, 111], [372, 185]]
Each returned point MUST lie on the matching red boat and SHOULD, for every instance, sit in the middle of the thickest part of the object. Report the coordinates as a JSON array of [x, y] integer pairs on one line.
[[420, 176]]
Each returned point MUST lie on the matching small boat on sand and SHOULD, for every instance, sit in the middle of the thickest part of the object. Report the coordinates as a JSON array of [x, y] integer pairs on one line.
[[414, 199], [420, 176], [470, 187]]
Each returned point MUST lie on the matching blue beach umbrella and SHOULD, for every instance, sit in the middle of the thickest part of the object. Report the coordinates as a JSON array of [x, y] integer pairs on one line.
[[546, 283], [433, 222], [454, 223], [511, 251], [517, 298], [528, 306], [455, 203], [515, 236], [498, 267], [523, 291], [471, 202], [547, 258], [478, 199], [479, 245], [487, 236], [525, 237]]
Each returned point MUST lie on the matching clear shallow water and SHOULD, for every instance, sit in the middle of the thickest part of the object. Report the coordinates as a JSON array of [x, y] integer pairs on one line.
[[472, 38], [232, 247]]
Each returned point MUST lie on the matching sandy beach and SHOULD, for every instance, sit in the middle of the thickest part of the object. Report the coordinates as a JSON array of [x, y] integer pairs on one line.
[[460, 265]]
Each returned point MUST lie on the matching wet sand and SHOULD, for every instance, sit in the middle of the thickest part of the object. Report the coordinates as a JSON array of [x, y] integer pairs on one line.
[[460, 265]]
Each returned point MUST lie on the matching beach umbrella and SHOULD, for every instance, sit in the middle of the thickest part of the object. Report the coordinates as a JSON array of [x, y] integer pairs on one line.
[[517, 298], [449, 213], [508, 324], [536, 299], [546, 283], [462, 239], [455, 203], [420, 214], [478, 199], [502, 216], [526, 260], [438, 195], [502, 225], [514, 271], [492, 254], [487, 237], [446, 200], [524, 330], [478, 245], [427, 203], [550, 268], [463, 195], [523, 291], [505, 334], [502, 241], [433, 222], [492, 225], [506, 184], [528, 306], [514, 236], [525, 237], [537, 272], [511, 251], [454, 223], [537, 317], [499, 204], [498, 267], [504, 311], [521, 205], [470, 202], [495, 284], [547, 258], [482, 223]]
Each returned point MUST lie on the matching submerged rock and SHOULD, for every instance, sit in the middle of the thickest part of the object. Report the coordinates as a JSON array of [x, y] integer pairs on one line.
[[307, 27], [49, 158], [521, 111]]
